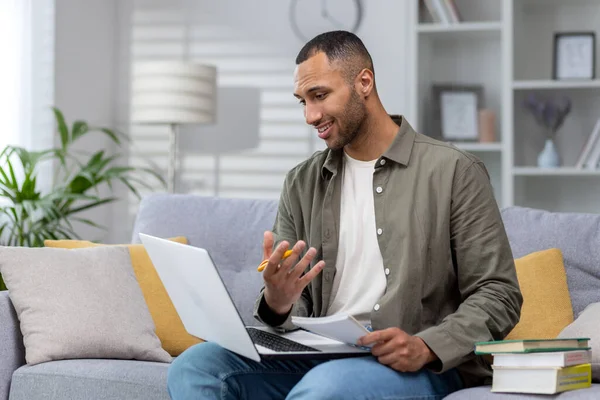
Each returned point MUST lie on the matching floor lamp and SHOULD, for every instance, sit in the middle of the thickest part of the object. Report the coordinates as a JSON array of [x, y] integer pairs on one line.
[[173, 93]]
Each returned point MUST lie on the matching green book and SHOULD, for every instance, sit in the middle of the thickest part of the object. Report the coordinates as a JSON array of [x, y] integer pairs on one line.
[[531, 345]]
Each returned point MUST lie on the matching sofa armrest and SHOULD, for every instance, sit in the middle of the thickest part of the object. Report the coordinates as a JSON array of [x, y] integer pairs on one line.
[[12, 352]]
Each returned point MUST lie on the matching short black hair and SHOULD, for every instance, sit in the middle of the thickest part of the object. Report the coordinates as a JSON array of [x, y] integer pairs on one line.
[[339, 46]]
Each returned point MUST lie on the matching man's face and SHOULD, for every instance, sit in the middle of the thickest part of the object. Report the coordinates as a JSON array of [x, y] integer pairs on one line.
[[331, 105]]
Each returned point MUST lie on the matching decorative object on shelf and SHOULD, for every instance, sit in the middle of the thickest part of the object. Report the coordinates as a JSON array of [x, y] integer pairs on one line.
[[456, 111], [550, 114], [574, 55], [308, 18], [548, 157], [173, 93], [487, 126]]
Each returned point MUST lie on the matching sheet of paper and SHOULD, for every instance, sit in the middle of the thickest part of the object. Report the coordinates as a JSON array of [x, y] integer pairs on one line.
[[310, 339], [344, 328]]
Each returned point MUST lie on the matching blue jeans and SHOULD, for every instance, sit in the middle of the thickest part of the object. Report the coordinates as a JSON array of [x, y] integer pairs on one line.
[[208, 371]]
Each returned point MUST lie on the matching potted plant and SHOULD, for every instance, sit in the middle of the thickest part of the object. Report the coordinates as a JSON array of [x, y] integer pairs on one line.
[[28, 216]]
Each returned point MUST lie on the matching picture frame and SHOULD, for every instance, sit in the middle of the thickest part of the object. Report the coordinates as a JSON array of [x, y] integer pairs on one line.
[[456, 111], [574, 56]]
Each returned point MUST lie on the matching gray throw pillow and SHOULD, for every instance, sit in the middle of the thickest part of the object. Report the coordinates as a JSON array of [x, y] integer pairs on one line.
[[575, 234], [79, 303], [587, 325]]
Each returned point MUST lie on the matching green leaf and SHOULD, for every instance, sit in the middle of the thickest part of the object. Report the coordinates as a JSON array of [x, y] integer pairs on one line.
[[79, 129], [63, 130], [111, 134], [118, 171], [60, 154], [155, 175], [67, 233], [80, 183], [13, 180], [52, 236], [92, 205], [5, 152], [99, 165], [90, 223], [2, 228], [95, 159], [131, 187]]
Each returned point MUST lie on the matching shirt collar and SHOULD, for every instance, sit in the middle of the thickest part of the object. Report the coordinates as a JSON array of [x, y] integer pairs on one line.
[[401, 148], [399, 151]]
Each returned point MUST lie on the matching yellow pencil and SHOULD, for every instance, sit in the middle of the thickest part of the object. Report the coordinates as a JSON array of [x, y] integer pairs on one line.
[[263, 264]]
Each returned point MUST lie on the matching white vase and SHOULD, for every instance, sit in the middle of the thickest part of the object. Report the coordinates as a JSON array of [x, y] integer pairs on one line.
[[548, 157]]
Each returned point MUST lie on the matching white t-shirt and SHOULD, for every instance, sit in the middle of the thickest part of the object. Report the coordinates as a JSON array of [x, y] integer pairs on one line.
[[359, 280]]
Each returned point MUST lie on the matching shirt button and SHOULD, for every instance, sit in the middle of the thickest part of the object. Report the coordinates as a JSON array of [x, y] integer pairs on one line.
[[379, 231], [382, 162], [387, 271], [376, 307], [379, 189]]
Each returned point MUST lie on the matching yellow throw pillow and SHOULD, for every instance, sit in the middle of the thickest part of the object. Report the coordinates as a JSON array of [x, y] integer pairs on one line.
[[169, 328], [547, 306]]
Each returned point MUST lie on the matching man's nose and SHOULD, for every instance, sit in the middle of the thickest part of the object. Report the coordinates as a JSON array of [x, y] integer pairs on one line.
[[312, 115]]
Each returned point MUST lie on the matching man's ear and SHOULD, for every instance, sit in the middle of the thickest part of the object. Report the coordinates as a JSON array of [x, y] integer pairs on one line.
[[365, 82]]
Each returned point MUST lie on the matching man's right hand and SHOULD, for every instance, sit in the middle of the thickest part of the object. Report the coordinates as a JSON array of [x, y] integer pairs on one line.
[[283, 281]]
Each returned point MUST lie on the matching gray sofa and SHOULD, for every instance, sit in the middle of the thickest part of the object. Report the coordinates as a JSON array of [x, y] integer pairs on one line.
[[231, 229]]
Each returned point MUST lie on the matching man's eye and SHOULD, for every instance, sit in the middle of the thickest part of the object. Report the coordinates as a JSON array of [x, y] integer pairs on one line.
[[302, 102], [320, 96]]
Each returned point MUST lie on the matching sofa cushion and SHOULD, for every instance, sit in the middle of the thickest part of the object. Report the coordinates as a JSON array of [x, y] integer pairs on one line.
[[230, 229], [546, 303], [588, 325], [169, 327], [91, 379], [576, 235], [484, 393], [81, 303], [12, 353]]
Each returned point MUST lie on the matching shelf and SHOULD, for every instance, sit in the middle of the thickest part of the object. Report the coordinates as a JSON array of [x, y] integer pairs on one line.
[[561, 171], [476, 147], [552, 84], [463, 27]]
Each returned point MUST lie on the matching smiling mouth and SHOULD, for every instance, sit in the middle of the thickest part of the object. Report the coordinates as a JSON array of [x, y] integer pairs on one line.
[[325, 130]]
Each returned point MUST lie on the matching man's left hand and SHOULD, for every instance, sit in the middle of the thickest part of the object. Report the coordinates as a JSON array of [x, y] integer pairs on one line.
[[398, 350]]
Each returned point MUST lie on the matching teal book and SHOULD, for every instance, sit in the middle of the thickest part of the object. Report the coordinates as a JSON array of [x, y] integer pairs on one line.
[[531, 345]]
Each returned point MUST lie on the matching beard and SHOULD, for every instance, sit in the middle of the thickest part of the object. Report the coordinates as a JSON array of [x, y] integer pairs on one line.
[[350, 122]]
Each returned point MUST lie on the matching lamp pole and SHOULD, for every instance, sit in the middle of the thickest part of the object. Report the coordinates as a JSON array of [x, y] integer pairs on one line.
[[173, 157]]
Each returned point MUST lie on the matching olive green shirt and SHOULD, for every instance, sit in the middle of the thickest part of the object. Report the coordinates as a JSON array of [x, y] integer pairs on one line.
[[452, 278]]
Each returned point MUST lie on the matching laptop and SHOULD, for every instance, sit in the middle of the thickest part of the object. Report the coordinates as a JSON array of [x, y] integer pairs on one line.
[[207, 310]]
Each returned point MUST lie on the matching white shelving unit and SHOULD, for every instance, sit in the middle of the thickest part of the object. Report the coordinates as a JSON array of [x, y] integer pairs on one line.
[[506, 46], [541, 84], [478, 147], [458, 28]]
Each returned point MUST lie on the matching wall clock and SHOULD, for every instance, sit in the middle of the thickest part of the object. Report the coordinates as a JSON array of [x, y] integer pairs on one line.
[[308, 18]]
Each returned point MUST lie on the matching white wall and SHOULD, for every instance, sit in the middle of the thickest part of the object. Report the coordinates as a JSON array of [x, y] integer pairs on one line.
[[254, 48], [85, 79], [383, 30]]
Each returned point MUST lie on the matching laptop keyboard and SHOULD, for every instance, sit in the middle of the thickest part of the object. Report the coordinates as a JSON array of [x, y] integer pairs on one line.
[[276, 342]]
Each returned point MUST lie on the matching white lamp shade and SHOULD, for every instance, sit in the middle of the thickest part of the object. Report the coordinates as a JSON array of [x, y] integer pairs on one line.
[[167, 92]]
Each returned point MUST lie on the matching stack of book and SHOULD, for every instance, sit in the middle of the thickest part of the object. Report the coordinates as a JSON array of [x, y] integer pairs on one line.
[[443, 11], [590, 155], [544, 366]]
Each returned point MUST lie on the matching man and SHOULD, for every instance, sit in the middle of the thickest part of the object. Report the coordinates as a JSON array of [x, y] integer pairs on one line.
[[407, 237]]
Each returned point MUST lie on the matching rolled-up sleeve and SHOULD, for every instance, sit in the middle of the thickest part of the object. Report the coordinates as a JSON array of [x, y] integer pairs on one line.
[[283, 229]]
